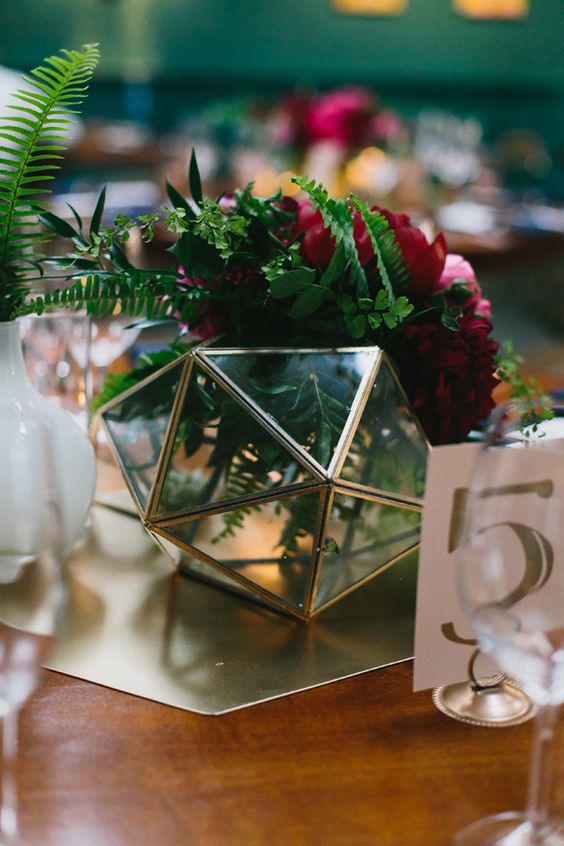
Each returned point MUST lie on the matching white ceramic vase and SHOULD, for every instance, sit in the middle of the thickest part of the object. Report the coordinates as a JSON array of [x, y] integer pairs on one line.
[[29, 424]]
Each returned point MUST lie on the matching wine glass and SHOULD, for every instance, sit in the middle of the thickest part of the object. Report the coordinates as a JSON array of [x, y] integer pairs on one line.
[[30, 591], [511, 580]]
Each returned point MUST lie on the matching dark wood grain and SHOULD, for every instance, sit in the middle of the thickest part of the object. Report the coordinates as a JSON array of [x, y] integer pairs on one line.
[[364, 761]]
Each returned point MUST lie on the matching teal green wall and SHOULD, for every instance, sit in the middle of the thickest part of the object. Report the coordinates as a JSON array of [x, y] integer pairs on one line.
[[282, 40], [510, 74]]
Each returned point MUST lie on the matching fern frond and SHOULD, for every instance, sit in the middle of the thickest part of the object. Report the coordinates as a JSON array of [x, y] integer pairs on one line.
[[338, 217], [155, 294], [37, 134], [389, 259]]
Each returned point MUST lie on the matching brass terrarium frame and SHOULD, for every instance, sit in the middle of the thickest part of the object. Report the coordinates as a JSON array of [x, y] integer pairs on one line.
[[326, 481]]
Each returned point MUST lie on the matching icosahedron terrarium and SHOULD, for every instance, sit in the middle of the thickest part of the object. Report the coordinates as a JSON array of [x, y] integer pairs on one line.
[[294, 474]]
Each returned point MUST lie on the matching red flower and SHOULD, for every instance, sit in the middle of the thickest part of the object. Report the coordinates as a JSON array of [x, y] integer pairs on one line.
[[213, 322], [448, 376], [343, 116], [318, 244]]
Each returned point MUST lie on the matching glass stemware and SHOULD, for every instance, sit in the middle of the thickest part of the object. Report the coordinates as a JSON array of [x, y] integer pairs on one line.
[[512, 587], [30, 591]]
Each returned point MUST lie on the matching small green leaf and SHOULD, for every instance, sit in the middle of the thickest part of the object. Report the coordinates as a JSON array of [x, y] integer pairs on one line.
[[356, 325], [347, 304], [389, 319], [382, 300], [57, 224], [178, 201], [335, 267], [291, 282], [374, 320], [324, 443], [308, 302], [365, 304], [451, 317], [98, 212], [401, 307], [194, 179], [331, 546]]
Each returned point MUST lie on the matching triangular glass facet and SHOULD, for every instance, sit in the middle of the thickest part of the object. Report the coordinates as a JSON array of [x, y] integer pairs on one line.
[[137, 427], [388, 451], [308, 394], [269, 543], [221, 452], [361, 537]]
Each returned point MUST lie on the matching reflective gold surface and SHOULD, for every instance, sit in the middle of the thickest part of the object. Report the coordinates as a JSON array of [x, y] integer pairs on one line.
[[135, 625]]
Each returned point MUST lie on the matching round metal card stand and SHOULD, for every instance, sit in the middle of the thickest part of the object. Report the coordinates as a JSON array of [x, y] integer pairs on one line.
[[492, 702]]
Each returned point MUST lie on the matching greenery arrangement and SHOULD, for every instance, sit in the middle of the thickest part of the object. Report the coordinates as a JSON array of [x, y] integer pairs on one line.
[[263, 270]]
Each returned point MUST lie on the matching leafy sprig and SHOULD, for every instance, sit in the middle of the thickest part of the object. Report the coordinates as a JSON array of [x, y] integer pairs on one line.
[[528, 396]]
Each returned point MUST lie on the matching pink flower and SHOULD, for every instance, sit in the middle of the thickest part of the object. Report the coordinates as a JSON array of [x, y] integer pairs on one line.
[[341, 116], [388, 126], [458, 269]]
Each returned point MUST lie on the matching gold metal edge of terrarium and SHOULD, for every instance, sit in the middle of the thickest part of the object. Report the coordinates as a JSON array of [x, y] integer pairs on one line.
[[327, 509], [353, 420], [253, 587], [168, 443], [140, 385], [367, 578], [272, 427], [378, 495], [395, 377], [211, 351], [222, 506]]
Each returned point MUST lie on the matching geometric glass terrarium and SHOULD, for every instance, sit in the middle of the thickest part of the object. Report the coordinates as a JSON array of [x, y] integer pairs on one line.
[[292, 476]]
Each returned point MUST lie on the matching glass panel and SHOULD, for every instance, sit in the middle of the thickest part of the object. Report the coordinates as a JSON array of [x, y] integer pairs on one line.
[[270, 543], [388, 451], [221, 452], [308, 394], [361, 537], [137, 426]]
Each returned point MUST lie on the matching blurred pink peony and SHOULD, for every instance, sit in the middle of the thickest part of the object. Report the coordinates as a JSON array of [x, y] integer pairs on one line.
[[342, 116], [388, 126]]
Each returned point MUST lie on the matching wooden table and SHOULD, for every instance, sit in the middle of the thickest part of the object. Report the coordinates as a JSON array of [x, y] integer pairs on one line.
[[362, 761]]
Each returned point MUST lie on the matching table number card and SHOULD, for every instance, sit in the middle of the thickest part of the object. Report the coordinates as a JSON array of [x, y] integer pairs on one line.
[[529, 479]]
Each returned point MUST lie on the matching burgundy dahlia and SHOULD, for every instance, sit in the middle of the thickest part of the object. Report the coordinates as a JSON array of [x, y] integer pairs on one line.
[[448, 376]]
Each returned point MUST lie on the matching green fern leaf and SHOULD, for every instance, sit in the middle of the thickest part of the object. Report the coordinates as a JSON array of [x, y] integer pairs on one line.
[[391, 264], [338, 217], [37, 134]]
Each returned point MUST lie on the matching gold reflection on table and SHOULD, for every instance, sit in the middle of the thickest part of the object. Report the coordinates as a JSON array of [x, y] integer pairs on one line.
[[136, 625]]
